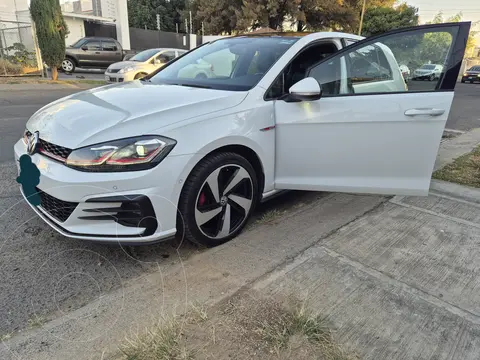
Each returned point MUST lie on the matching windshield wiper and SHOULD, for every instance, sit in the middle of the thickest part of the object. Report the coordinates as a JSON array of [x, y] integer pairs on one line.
[[196, 86]]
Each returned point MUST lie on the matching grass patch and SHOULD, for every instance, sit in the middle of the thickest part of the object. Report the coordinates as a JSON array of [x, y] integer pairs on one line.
[[161, 342], [40, 80], [465, 170], [240, 328], [35, 322]]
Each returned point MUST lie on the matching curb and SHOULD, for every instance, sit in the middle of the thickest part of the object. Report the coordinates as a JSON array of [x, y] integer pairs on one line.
[[462, 192]]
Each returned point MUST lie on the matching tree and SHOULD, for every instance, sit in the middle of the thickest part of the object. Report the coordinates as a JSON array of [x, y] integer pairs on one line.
[[266, 13], [51, 31], [471, 42], [217, 16], [143, 13], [379, 20]]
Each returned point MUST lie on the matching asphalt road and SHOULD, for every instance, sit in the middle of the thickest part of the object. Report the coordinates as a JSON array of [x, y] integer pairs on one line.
[[43, 274]]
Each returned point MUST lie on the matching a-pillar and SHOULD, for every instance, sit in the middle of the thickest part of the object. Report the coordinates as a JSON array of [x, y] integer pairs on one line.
[[123, 31]]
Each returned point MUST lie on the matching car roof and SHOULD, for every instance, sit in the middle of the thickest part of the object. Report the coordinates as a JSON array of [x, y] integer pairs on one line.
[[98, 38], [306, 35]]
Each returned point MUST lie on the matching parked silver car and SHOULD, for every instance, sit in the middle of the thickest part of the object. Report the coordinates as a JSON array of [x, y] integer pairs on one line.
[[141, 64]]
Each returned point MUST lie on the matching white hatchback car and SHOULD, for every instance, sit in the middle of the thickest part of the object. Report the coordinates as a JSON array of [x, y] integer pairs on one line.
[[142, 161], [141, 64]]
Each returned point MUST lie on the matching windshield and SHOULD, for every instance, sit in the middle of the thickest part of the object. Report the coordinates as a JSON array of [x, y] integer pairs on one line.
[[235, 64], [428, 67], [144, 55], [475, 68], [77, 43]]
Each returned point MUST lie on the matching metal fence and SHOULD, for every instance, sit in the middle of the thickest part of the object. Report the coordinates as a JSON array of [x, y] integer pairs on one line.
[[18, 54], [141, 39]]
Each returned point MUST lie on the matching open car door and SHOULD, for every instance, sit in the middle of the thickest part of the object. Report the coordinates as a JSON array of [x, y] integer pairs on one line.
[[368, 131]]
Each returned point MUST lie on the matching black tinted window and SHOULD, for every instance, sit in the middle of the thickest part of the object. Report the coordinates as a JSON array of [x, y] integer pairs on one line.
[[167, 56], [93, 45], [109, 46]]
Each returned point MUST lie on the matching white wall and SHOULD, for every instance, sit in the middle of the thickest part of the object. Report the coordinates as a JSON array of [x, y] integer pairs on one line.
[[76, 30], [123, 32], [208, 38]]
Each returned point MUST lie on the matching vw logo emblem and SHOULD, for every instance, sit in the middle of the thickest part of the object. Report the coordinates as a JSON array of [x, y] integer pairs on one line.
[[33, 143]]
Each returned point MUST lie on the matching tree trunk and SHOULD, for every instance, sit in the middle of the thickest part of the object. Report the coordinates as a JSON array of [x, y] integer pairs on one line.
[[54, 73]]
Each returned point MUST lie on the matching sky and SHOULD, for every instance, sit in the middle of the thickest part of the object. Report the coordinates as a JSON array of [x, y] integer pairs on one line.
[[429, 8]]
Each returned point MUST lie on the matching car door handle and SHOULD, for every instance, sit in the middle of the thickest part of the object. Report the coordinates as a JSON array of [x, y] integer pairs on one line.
[[430, 112], [97, 52]]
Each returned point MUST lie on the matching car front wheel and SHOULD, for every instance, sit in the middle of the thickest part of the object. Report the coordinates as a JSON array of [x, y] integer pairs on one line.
[[68, 65], [217, 199]]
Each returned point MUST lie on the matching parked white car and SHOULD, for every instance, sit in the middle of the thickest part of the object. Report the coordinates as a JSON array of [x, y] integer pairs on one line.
[[428, 72], [142, 161], [405, 72], [141, 64]]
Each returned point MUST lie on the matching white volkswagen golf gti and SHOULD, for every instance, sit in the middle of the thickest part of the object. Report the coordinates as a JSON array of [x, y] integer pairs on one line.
[[174, 154]]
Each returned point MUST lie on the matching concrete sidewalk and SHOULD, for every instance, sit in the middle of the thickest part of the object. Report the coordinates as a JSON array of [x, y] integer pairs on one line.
[[399, 283]]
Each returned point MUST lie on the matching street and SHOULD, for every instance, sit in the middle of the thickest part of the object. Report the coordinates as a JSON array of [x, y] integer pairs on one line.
[[45, 275]]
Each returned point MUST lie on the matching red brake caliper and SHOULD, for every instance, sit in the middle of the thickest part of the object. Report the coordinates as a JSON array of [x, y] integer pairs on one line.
[[202, 199]]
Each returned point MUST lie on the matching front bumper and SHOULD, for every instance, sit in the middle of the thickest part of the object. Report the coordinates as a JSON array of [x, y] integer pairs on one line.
[[471, 78], [127, 207], [116, 77], [423, 76]]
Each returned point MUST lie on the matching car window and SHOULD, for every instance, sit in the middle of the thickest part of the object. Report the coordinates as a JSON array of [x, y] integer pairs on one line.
[[166, 56], [226, 63], [109, 46], [297, 69], [374, 67], [94, 45], [474, 68]]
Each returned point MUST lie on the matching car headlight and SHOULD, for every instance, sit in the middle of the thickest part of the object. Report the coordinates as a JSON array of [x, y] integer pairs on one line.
[[126, 69], [131, 154]]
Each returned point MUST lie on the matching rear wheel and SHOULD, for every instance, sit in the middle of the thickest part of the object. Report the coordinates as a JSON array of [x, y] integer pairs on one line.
[[217, 199], [68, 65]]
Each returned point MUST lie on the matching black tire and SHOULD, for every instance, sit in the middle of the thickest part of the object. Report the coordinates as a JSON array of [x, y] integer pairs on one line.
[[140, 75], [222, 166], [68, 65], [463, 81]]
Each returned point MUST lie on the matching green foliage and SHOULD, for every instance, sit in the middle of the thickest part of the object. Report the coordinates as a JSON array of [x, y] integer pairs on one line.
[[379, 20], [21, 55], [438, 19], [143, 13], [51, 30]]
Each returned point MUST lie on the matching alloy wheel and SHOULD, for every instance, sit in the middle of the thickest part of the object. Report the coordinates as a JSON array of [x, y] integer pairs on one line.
[[224, 201], [67, 65]]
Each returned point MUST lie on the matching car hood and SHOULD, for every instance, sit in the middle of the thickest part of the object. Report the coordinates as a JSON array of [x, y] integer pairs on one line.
[[123, 64], [123, 110]]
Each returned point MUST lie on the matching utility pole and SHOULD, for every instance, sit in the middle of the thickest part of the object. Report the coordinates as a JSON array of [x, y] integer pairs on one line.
[[191, 27], [186, 26], [361, 17], [158, 22], [203, 30], [176, 27]]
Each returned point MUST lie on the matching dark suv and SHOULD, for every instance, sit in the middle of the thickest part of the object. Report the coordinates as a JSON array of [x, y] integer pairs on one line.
[[92, 52]]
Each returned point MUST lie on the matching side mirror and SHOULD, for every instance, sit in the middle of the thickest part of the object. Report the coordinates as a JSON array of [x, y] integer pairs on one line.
[[307, 89], [84, 48]]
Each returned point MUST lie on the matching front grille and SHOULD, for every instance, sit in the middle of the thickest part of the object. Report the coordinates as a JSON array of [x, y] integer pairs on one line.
[[59, 209], [56, 150]]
